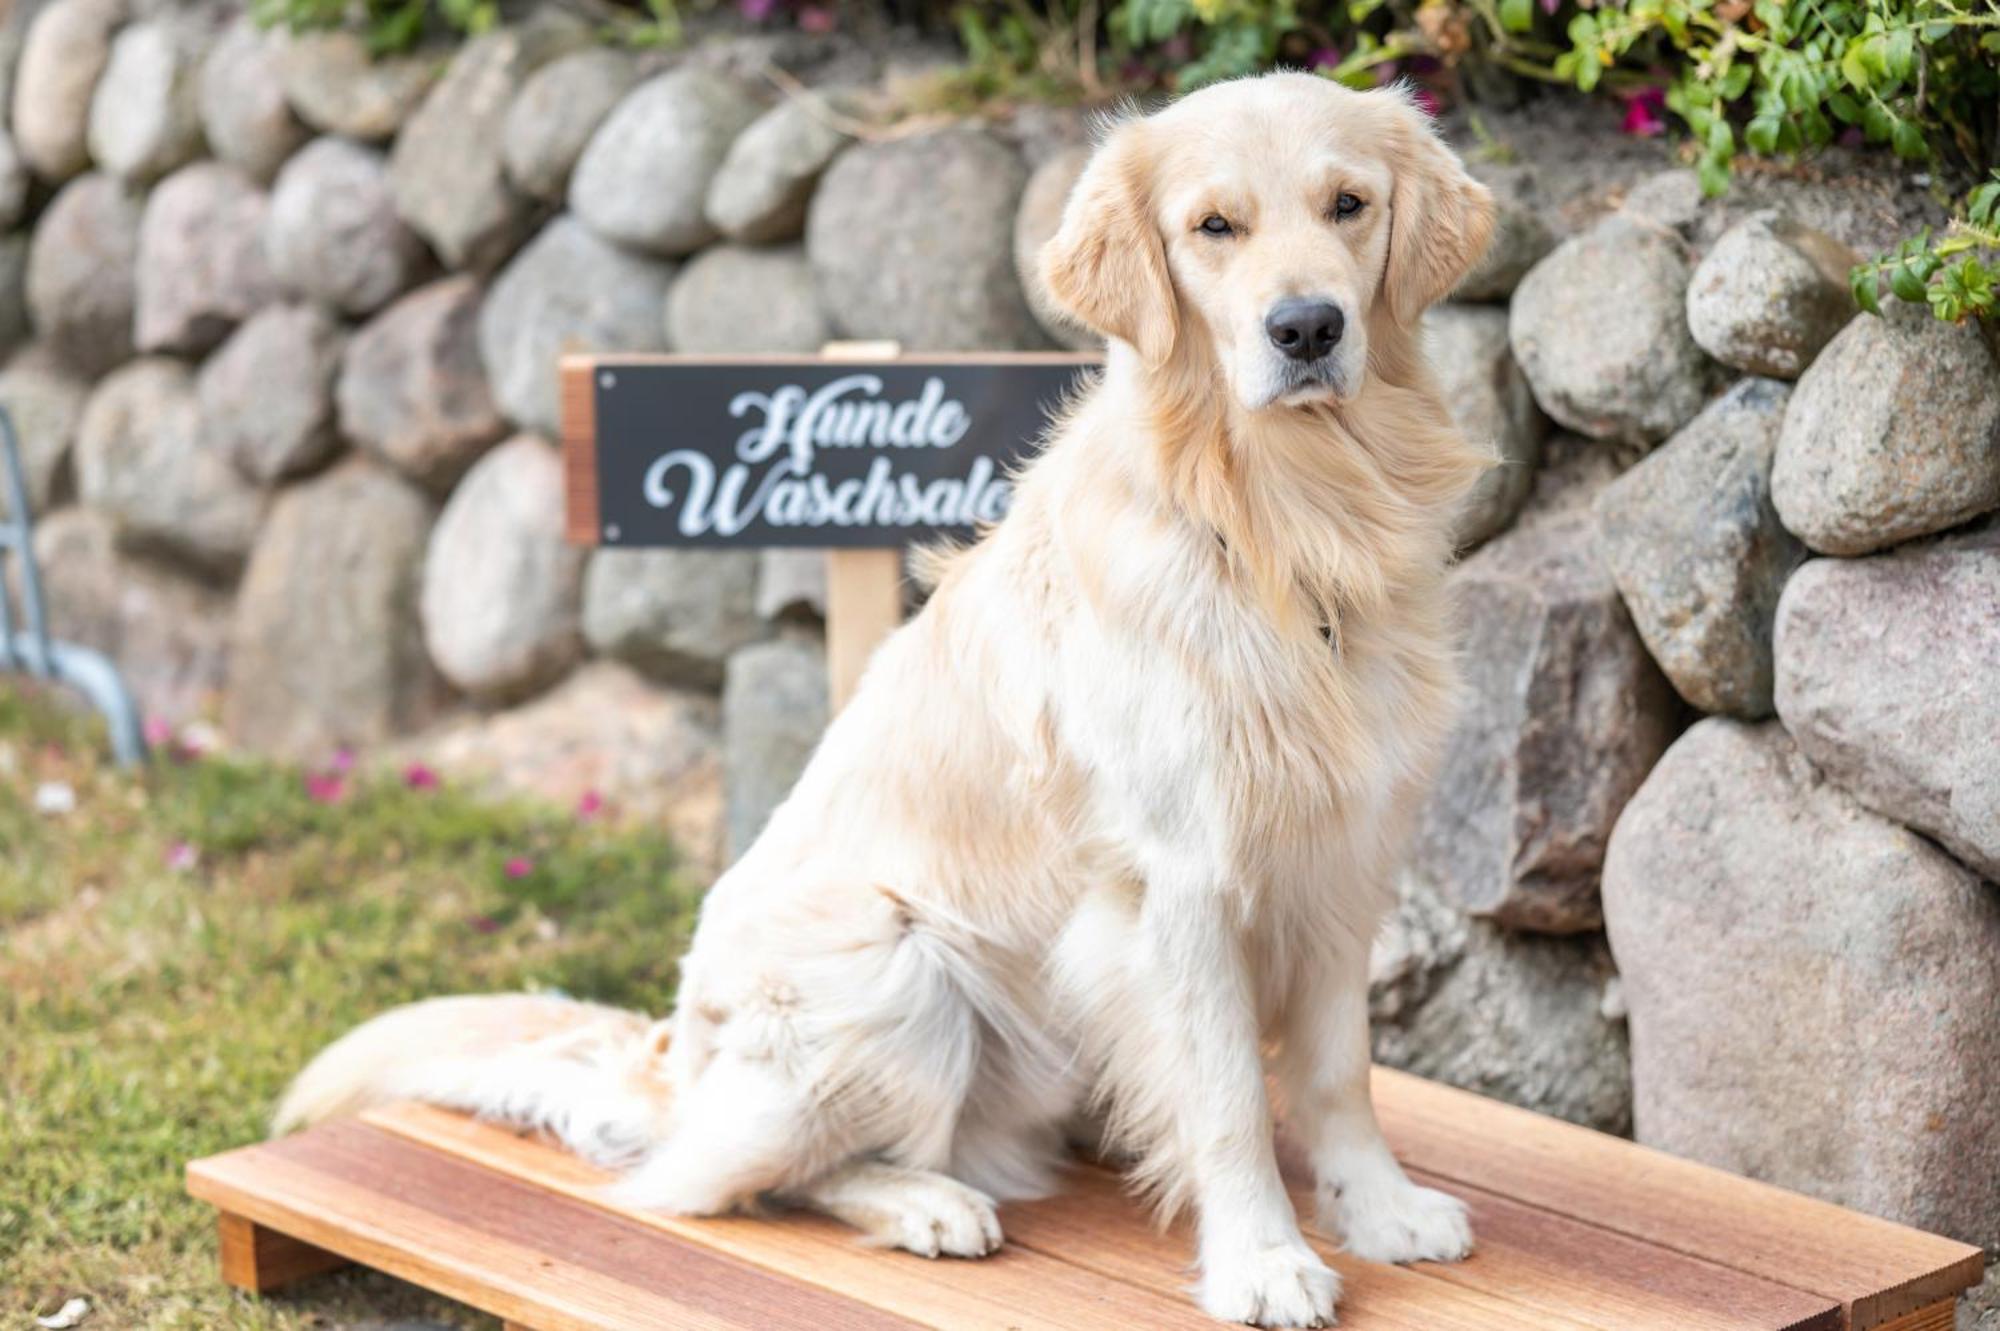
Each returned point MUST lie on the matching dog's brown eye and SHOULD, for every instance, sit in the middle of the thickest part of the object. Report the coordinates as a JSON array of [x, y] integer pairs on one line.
[[1346, 206], [1215, 224]]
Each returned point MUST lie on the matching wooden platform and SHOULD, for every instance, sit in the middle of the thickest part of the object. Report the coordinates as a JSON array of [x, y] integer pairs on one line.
[[1575, 1230]]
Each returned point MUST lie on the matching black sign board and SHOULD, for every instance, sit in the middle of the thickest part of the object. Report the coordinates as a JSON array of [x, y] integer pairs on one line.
[[800, 450]]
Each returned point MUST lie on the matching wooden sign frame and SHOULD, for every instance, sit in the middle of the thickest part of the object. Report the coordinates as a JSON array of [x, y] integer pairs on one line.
[[864, 583]]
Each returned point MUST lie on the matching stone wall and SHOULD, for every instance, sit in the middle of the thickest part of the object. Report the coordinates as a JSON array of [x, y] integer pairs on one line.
[[283, 327]]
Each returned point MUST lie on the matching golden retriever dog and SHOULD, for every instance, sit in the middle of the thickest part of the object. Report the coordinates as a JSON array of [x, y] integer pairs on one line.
[[1110, 825]]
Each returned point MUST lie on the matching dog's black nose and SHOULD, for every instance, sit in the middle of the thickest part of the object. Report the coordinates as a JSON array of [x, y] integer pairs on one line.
[[1304, 330]]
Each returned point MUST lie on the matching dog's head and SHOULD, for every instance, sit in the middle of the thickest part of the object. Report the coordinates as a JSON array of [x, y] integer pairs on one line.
[[1273, 221]]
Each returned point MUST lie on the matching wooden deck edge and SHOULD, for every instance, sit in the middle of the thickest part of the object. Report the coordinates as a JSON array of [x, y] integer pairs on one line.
[[1935, 1317], [1918, 1298]]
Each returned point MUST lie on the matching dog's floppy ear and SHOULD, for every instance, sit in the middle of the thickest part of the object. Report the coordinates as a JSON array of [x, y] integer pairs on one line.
[[1106, 265], [1441, 219]]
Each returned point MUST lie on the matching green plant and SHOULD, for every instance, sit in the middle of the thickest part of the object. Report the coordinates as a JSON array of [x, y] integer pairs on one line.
[[1954, 273]]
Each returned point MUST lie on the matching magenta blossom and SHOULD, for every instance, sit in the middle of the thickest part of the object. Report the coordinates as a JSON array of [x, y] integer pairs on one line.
[[757, 11], [1551, 6], [343, 759], [590, 806], [1646, 113], [518, 867], [159, 731], [182, 857], [1326, 58], [419, 777], [1427, 101], [326, 787], [817, 19]]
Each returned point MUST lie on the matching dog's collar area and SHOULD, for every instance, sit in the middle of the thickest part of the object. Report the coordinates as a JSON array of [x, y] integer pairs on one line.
[[1329, 632]]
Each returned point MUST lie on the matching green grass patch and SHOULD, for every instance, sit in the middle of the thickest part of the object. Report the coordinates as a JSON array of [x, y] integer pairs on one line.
[[175, 948]]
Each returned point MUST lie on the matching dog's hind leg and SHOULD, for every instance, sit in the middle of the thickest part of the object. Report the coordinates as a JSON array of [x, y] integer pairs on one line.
[[920, 1210]]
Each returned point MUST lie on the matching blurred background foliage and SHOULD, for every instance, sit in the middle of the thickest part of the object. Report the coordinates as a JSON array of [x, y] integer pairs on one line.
[[1774, 78]]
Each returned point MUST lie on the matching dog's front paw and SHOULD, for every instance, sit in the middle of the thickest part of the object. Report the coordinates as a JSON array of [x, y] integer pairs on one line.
[[939, 1217], [1402, 1222], [1287, 1285]]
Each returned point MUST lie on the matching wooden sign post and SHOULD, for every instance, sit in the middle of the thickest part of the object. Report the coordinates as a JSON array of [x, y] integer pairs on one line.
[[859, 450]]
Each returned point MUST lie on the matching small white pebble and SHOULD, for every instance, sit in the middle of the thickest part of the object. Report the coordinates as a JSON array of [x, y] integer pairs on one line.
[[1611, 1006], [70, 1314], [55, 798]]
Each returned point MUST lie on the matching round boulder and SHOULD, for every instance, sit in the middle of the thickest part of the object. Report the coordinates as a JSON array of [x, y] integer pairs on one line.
[[267, 395], [67, 46], [82, 269], [912, 240], [1520, 241], [643, 181], [15, 182], [337, 87], [201, 267], [566, 291], [333, 232], [144, 119], [411, 388], [761, 191], [1770, 295], [501, 587], [44, 398], [241, 98], [554, 114], [676, 614], [1038, 219], [15, 325], [325, 647], [141, 457], [733, 298], [1492, 407], [1894, 432], [1600, 329]]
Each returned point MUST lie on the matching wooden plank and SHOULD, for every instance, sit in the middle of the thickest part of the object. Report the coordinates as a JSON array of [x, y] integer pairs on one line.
[[583, 523], [1875, 1269], [1016, 1289], [864, 604], [501, 1245], [261, 1260], [1937, 1317]]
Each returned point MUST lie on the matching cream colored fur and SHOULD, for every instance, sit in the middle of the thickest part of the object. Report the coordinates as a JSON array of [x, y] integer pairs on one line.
[[1112, 821]]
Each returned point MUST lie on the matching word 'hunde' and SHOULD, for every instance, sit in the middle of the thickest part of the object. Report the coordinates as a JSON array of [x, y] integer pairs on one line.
[[844, 413]]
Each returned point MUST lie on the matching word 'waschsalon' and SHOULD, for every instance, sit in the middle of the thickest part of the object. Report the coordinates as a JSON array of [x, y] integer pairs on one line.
[[773, 477]]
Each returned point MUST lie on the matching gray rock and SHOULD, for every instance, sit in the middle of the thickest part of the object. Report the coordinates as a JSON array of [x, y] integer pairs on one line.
[[44, 398], [554, 114], [760, 193], [774, 707], [566, 291], [241, 98], [650, 754], [411, 387], [67, 46], [1520, 241], [1886, 679], [144, 118], [201, 267], [333, 231], [733, 298], [446, 170], [82, 269], [168, 633], [1600, 328], [1493, 407], [1563, 717], [1770, 295], [643, 180], [15, 181], [1772, 934], [337, 87], [267, 395], [1894, 432], [141, 458], [791, 584], [501, 589], [1699, 554], [1979, 1308], [676, 614], [935, 277], [1514, 1016], [1671, 199], [325, 648], [1035, 222]]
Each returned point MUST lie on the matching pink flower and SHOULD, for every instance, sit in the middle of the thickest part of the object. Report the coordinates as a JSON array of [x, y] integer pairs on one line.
[[816, 19], [325, 787], [519, 867], [1427, 102], [159, 732], [1327, 57], [1645, 113], [591, 805], [182, 857], [343, 759], [757, 11], [486, 924], [419, 777], [1551, 6]]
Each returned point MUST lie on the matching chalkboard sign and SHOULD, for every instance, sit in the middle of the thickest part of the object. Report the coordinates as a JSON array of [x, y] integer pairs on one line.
[[800, 450]]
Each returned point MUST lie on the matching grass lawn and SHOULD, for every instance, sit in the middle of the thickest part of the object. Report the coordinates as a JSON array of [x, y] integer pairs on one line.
[[177, 945]]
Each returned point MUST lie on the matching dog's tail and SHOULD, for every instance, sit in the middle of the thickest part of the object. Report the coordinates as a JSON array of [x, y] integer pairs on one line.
[[593, 1076]]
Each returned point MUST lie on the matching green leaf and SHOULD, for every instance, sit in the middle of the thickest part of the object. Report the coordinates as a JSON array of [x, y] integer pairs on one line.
[[1861, 281], [1761, 135], [1906, 284], [1714, 174], [1854, 68], [1517, 15], [1908, 141]]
